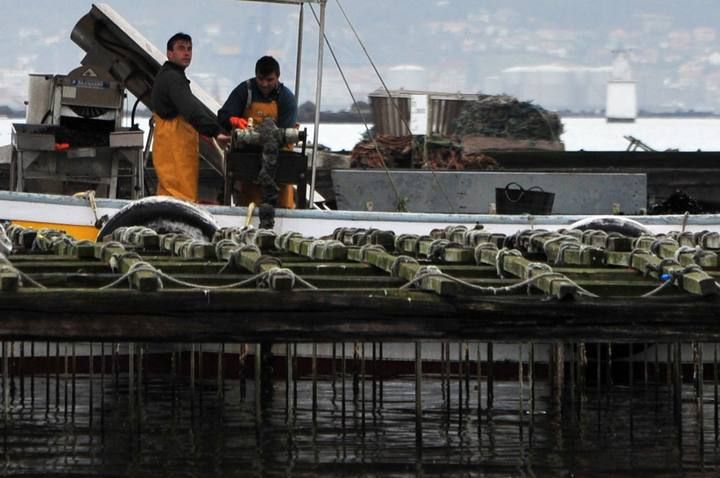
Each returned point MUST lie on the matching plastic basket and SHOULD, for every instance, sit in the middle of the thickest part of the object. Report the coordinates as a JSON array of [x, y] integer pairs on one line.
[[514, 199]]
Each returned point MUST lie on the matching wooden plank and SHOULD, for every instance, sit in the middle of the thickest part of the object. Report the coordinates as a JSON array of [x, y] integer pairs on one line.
[[336, 315], [407, 268], [444, 250], [561, 249], [554, 284], [479, 236], [694, 282], [9, 276], [257, 263]]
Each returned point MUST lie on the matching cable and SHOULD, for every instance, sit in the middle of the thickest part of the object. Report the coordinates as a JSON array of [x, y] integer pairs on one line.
[[400, 206]]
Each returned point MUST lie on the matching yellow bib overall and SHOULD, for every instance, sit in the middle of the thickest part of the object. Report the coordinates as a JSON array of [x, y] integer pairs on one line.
[[175, 157]]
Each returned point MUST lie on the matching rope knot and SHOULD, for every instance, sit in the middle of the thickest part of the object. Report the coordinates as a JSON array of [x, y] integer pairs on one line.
[[269, 279], [395, 267]]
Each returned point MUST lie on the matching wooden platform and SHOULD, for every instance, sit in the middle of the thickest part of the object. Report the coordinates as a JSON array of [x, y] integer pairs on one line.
[[250, 285]]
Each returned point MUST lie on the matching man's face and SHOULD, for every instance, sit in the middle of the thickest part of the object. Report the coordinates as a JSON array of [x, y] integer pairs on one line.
[[181, 54], [267, 83]]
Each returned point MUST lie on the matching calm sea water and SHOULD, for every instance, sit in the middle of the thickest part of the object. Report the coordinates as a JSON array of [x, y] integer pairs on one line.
[[182, 423], [590, 134]]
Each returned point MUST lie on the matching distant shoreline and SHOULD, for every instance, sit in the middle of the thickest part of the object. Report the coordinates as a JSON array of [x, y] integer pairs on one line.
[[344, 117]]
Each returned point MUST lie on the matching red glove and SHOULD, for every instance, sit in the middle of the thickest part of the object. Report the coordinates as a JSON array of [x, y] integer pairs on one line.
[[238, 122]]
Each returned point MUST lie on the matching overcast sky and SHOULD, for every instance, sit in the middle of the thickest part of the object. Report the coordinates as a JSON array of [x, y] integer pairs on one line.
[[458, 45]]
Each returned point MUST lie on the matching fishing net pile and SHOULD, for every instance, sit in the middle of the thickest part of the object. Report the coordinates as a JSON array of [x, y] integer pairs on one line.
[[404, 152], [503, 116], [391, 151]]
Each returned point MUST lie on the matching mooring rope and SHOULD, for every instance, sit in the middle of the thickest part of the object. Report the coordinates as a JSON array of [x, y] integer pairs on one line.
[[500, 257], [147, 267], [675, 278], [432, 271], [23, 276]]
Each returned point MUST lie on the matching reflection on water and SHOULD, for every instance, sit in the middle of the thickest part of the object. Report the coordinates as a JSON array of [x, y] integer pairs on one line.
[[152, 420]]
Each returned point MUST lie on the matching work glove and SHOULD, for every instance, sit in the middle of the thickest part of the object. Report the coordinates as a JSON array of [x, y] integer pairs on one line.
[[238, 122]]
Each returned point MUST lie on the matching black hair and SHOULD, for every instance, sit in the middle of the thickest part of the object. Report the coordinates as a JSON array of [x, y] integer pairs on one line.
[[180, 36], [267, 65]]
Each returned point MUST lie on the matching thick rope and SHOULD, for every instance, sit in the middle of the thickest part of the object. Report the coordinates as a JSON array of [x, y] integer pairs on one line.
[[483, 246], [367, 248], [395, 266], [500, 257]]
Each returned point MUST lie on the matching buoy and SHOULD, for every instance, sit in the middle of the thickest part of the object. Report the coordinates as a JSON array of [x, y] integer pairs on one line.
[[164, 215]]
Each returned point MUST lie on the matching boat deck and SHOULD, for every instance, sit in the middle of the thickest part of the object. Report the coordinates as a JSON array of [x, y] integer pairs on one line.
[[357, 284]]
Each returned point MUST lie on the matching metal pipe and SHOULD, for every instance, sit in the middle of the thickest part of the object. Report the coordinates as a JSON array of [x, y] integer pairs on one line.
[[418, 392], [298, 58], [479, 386], [374, 378], [490, 376], [32, 375], [362, 387], [314, 381], [131, 381], [715, 392], [521, 385], [65, 379], [380, 375], [343, 371], [531, 384], [74, 374], [460, 383], [318, 97], [5, 381], [20, 372], [699, 391], [220, 374], [258, 384], [289, 380], [47, 377]]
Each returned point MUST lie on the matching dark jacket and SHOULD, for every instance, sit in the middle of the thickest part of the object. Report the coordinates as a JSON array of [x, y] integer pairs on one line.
[[171, 97], [237, 102]]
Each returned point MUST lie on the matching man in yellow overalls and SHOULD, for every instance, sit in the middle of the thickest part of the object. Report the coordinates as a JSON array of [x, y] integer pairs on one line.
[[261, 98], [179, 116]]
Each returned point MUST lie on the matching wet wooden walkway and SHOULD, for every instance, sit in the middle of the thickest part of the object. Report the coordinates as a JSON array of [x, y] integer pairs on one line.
[[455, 283]]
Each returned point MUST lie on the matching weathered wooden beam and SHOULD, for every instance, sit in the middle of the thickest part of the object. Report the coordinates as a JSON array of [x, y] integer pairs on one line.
[[687, 255], [105, 250], [22, 237], [122, 260], [444, 250], [566, 250], [407, 268], [143, 237], [609, 241], [552, 283], [336, 315], [407, 244], [167, 241], [708, 240], [196, 249], [142, 280], [696, 282], [684, 238], [9, 275], [251, 259], [326, 250], [479, 236]]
